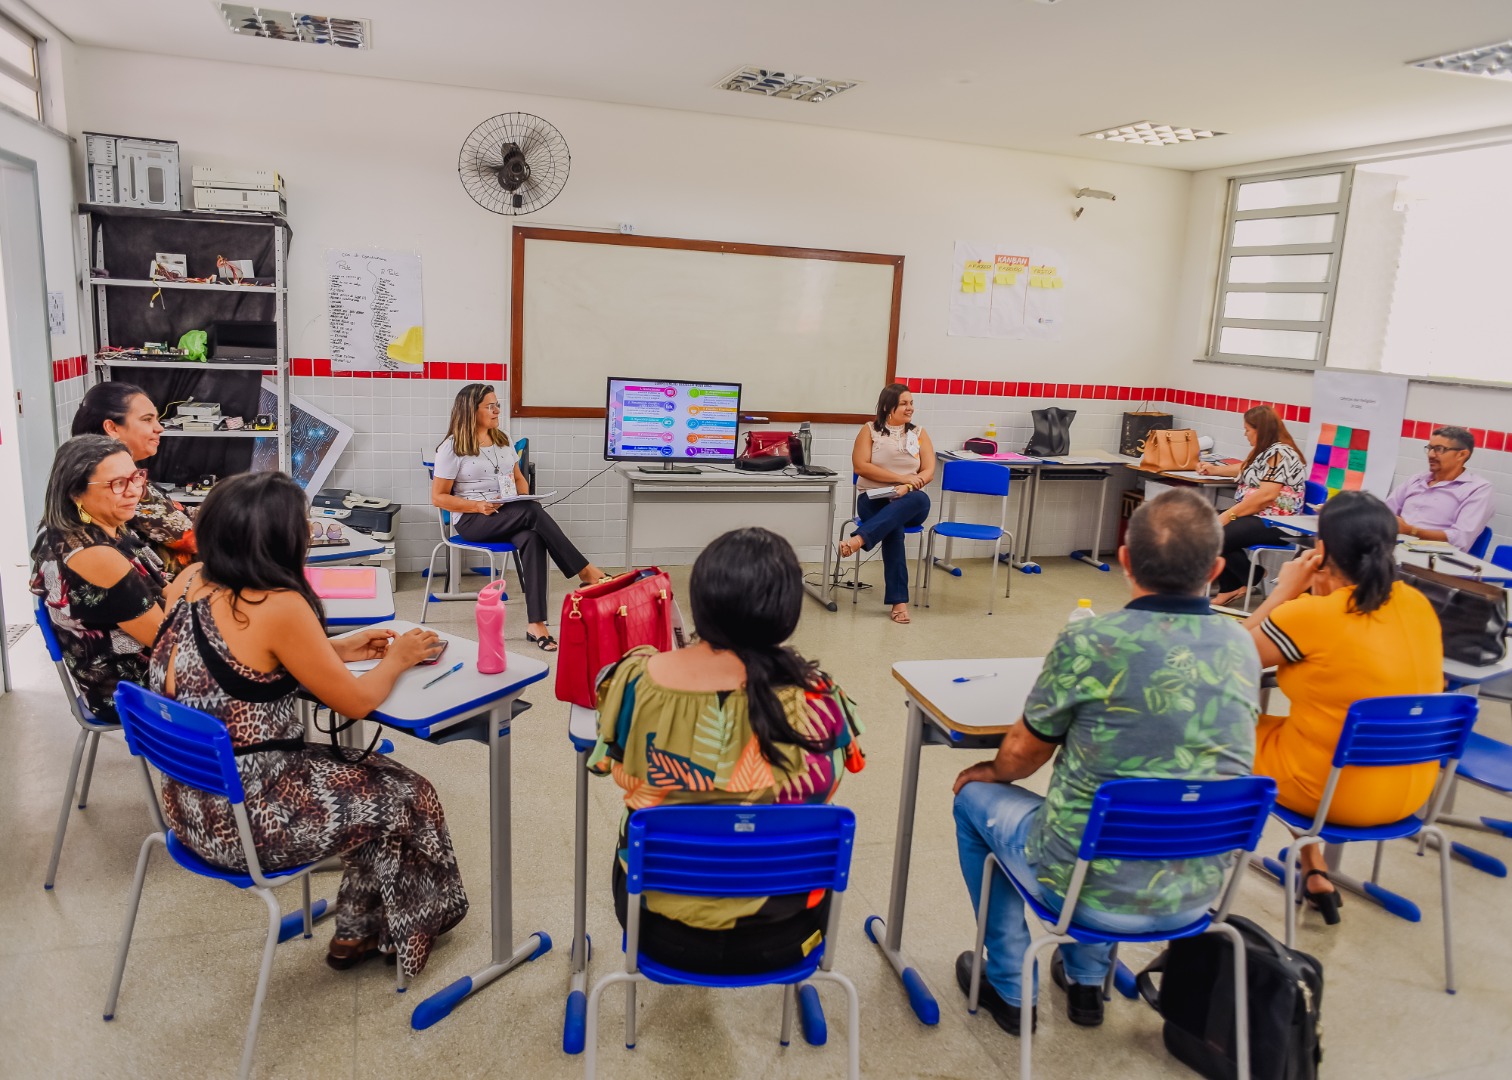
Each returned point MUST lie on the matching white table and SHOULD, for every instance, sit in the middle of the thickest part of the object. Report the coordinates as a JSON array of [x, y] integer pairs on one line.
[[471, 706], [359, 546], [1477, 568], [344, 615], [970, 715], [697, 507]]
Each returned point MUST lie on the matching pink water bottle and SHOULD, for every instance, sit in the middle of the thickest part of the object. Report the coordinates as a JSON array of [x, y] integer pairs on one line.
[[490, 613]]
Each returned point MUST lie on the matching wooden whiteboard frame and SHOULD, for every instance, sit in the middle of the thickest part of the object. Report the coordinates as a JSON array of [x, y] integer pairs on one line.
[[522, 233]]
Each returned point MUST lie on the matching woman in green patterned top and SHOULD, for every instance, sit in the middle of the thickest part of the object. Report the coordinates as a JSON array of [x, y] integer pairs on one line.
[[737, 717], [125, 413]]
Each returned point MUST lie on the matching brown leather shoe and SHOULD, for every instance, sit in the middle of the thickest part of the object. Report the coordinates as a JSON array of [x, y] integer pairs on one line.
[[345, 953]]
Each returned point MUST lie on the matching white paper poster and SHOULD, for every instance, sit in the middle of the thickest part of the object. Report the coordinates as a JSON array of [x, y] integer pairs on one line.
[[971, 291], [1010, 284], [375, 313], [1006, 291], [1356, 425], [1045, 297]]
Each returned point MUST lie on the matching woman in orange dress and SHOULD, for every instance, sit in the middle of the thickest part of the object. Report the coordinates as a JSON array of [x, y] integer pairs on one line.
[[1338, 628]]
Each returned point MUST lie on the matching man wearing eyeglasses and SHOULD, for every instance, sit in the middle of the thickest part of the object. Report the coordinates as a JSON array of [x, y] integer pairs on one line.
[[1446, 502]]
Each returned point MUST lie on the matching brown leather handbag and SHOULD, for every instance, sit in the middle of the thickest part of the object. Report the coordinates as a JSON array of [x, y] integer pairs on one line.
[[1169, 451]]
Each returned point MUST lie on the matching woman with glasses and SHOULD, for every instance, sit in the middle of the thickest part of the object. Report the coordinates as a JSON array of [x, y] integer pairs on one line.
[[1446, 502], [476, 471], [125, 413], [101, 583]]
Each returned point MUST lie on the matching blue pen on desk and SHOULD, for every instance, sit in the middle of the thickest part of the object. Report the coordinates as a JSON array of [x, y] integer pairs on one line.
[[969, 678], [449, 671]]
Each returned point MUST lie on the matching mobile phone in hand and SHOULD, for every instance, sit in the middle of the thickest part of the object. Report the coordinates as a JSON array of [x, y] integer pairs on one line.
[[438, 655]]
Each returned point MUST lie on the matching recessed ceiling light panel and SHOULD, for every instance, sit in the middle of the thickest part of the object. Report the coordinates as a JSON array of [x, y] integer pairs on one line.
[[1152, 134], [1492, 61], [279, 25], [781, 84]]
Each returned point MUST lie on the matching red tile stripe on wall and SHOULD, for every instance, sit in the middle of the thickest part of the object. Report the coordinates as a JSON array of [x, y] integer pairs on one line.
[[72, 368], [1411, 429]]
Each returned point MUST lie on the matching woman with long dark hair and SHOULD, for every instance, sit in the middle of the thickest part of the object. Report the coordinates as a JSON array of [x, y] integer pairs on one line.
[[737, 717], [894, 461], [1339, 627], [476, 472], [101, 585], [1272, 480], [244, 631], [125, 413]]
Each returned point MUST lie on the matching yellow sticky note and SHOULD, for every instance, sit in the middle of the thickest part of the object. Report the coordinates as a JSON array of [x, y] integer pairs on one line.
[[967, 285], [1004, 277], [408, 347]]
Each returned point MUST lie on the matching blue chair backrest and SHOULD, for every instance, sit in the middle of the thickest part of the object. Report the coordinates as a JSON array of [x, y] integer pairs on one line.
[[1314, 493], [1482, 542], [49, 632], [1502, 556], [976, 478], [1176, 819], [191, 746], [1406, 730], [740, 850]]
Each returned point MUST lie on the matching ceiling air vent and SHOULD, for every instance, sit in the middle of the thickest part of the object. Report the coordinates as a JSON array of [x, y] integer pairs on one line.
[[1493, 61], [1152, 134], [281, 25], [780, 84]]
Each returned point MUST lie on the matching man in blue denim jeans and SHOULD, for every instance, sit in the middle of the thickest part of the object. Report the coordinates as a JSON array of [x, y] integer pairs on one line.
[[1165, 687]]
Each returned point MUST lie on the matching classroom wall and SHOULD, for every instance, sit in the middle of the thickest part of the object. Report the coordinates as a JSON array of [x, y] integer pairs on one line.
[[1211, 396], [371, 162]]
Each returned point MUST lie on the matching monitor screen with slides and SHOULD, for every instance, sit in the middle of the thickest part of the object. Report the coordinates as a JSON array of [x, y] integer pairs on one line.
[[667, 420]]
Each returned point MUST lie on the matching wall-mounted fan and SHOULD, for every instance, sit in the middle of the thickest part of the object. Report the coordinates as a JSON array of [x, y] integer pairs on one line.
[[514, 163]]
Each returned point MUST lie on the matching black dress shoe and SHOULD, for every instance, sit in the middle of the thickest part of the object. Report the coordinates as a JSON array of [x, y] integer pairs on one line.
[[1084, 1004], [1007, 1016]]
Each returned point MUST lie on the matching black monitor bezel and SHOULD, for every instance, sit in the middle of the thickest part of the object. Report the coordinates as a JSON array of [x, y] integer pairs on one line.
[[674, 459]]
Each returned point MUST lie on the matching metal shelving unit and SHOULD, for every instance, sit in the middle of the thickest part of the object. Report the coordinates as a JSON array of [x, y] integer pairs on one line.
[[156, 221]]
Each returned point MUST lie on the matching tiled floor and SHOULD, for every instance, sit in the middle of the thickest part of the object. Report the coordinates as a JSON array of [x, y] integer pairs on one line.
[[189, 980]]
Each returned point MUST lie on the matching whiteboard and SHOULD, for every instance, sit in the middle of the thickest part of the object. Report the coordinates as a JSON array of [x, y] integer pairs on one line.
[[808, 334]]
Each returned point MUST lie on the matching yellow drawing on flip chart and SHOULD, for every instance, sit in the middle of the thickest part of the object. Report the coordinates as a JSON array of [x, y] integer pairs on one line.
[[408, 347]]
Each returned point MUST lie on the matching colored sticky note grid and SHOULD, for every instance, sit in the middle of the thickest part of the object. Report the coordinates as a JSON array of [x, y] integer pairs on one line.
[[1341, 457]]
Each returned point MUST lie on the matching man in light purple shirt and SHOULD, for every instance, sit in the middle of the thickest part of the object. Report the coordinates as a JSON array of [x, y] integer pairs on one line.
[[1446, 502]]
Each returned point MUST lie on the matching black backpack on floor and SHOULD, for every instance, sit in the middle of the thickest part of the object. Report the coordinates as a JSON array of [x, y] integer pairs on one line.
[[1196, 998]]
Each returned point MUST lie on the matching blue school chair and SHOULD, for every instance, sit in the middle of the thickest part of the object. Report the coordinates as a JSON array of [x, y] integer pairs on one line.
[[1314, 495], [1152, 821], [1482, 542], [194, 748], [91, 728], [1379, 732], [737, 851], [970, 478]]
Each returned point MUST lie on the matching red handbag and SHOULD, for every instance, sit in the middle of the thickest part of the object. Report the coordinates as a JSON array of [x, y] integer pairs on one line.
[[601, 623], [766, 444]]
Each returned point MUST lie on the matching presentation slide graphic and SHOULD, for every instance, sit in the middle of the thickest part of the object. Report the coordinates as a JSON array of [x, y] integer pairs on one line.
[[672, 420]]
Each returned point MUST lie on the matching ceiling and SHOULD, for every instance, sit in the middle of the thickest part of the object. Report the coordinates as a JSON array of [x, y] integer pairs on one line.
[[1283, 77]]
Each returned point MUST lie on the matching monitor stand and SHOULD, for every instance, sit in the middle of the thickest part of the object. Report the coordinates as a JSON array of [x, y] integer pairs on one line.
[[667, 467]]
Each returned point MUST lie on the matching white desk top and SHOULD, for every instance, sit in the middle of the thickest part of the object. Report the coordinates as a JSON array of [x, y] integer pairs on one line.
[[466, 693], [1488, 571], [723, 474], [979, 707], [1302, 524], [1465, 674], [361, 546], [582, 726], [1088, 458], [377, 608]]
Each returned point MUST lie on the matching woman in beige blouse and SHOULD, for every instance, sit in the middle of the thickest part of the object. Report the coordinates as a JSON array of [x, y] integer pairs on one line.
[[894, 462]]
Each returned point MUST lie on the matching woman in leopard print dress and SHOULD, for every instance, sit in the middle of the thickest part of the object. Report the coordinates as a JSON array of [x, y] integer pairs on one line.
[[242, 633]]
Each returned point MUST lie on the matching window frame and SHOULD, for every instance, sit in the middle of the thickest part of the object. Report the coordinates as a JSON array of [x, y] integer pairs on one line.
[[1328, 287], [33, 81]]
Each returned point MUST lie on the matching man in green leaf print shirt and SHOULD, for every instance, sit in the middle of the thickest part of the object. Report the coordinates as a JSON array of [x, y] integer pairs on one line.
[[1165, 687]]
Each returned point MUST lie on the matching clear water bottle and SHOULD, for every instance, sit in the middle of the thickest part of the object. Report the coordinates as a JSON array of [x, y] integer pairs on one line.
[[1082, 610]]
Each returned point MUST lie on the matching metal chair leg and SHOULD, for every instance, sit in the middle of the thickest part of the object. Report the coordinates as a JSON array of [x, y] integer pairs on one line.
[[275, 919], [309, 917], [68, 798], [1241, 1001], [131, 914], [789, 995], [590, 1027], [630, 1015], [1444, 860], [997, 549], [1249, 581], [94, 746], [430, 581], [853, 1020], [984, 899]]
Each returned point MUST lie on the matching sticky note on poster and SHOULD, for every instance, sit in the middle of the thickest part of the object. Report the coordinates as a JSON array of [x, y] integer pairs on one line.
[[1007, 268], [971, 293], [1044, 276], [1045, 297]]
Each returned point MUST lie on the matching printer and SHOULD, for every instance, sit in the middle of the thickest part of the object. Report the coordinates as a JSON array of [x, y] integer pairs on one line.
[[374, 516]]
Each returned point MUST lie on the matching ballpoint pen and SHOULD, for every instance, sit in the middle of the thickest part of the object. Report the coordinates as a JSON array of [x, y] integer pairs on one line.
[[969, 678], [449, 671]]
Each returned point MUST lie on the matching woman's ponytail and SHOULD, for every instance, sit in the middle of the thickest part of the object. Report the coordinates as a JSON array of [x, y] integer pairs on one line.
[[1358, 532]]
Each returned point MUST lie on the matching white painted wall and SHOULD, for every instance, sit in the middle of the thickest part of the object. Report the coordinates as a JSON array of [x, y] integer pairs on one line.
[[372, 162]]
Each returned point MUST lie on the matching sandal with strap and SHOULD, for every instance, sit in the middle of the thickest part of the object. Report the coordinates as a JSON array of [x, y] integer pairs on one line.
[[1326, 904], [546, 643]]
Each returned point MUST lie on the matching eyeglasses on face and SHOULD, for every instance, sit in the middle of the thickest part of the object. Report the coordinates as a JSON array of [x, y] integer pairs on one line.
[[491, 406], [121, 484], [1436, 448]]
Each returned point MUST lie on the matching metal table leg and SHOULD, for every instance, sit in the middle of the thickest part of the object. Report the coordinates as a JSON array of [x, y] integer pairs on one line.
[[919, 996], [440, 1004], [1095, 559], [1025, 561], [574, 1023], [824, 592]]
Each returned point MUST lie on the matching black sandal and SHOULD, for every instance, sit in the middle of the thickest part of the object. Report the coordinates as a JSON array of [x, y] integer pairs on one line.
[[1326, 904], [546, 643]]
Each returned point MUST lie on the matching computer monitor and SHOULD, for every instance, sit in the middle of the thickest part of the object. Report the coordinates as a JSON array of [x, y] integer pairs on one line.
[[671, 420]]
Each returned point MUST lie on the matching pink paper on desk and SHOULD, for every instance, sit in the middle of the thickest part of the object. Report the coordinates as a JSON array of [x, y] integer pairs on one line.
[[343, 582], [1007, 457]]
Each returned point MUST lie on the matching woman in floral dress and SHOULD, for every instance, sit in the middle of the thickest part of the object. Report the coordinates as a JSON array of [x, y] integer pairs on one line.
[[101, 585], [243, 632]]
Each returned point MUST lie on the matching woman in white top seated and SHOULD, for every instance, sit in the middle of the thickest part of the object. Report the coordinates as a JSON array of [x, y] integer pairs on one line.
[[476, 470], [894, 462]]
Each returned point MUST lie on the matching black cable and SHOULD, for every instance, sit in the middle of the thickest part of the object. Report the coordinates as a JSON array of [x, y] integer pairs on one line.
[[581, 486]]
